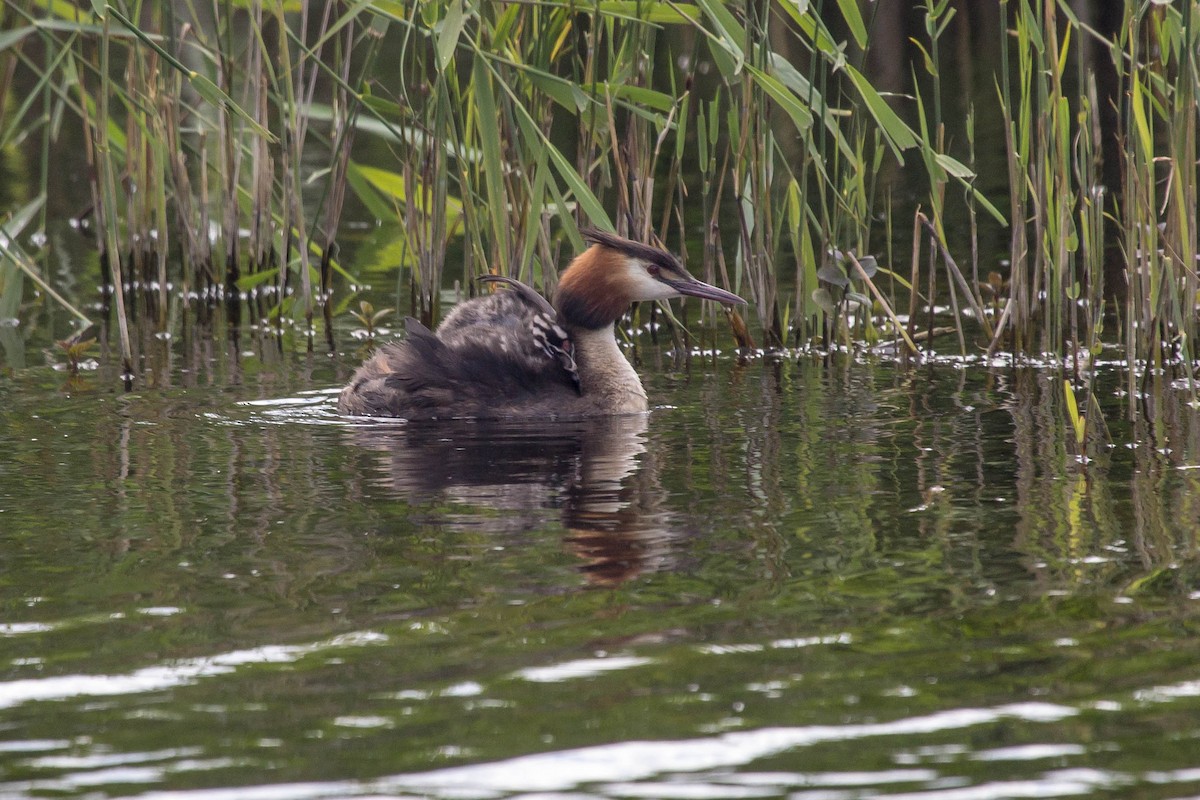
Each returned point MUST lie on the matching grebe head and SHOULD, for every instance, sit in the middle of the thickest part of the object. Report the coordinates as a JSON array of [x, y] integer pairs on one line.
[[603, 281]]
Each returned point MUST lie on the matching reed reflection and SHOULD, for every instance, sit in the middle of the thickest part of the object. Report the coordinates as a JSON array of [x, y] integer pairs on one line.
[[596, 476], [1126, 514]]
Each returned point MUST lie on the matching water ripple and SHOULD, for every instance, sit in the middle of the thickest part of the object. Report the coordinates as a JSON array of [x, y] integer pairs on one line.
[[158, 677], [634, 760], [583, 668]]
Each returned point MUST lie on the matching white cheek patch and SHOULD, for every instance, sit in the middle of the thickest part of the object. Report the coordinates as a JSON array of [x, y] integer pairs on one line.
[[646, 287]]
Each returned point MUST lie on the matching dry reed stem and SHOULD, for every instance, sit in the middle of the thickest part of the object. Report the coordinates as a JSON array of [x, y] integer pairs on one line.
[[956, 273], [887, 309]]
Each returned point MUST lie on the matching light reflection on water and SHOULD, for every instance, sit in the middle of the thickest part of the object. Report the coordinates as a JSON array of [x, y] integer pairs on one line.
[[796, 580], [709, 766], [160, 677]]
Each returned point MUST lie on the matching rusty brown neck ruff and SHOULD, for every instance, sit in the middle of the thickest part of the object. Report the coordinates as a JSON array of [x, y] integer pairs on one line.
[[593, 291], [593, 294]]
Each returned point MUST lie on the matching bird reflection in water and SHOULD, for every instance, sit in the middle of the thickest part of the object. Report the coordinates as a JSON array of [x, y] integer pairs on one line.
[[596, 473]]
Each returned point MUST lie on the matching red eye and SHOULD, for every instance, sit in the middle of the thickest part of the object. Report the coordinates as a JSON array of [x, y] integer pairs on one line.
[[653, 270]]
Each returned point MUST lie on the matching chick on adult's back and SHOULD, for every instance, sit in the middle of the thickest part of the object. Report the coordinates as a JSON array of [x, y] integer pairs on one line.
[[512, 354]]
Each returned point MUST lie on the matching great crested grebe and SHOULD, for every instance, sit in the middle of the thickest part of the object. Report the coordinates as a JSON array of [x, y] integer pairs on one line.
[[511, 354]]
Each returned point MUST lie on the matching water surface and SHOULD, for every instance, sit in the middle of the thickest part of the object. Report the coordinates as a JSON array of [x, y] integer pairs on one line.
[[796, 578]]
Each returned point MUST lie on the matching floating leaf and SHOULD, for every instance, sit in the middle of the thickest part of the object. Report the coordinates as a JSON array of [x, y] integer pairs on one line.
[[858, 298], [831, 273]]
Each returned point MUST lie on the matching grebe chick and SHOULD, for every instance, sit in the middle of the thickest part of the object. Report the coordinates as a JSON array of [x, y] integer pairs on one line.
[[511, 354]]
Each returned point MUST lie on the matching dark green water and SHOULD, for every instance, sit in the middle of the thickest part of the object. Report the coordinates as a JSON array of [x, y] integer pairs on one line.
[[796, 579]]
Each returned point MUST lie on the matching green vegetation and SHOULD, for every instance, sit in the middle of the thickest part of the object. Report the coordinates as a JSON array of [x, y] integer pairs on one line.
[[222, 144], [508, 124]]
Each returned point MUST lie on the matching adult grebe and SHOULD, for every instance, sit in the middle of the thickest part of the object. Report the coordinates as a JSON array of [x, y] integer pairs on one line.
[[511, 354]]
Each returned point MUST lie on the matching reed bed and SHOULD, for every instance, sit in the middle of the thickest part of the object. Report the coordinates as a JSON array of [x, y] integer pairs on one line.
[[221, 150]]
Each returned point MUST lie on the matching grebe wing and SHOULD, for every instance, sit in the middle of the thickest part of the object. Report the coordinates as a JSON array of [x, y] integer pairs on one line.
[[501, 355], [482, 373], [520, 324]]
